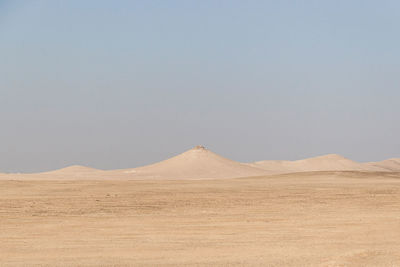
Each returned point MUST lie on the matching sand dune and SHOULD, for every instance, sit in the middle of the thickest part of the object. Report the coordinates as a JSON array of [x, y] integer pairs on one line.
[[197, 163], [201, 163], [74, 169], [388, 165], [74, 172], [331, 162], [71, 172]]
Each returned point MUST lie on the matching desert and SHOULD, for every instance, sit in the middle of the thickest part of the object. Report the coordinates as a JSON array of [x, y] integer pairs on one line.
[[185, 212], [199, 133]]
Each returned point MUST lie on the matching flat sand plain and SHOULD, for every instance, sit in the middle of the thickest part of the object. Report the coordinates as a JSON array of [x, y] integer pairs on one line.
[[299, 219]]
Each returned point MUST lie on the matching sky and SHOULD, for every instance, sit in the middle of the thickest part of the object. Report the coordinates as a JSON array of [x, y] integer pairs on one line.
[[120, 84]]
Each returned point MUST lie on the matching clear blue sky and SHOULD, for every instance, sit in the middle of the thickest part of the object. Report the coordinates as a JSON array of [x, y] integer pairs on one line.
[[115, 84]]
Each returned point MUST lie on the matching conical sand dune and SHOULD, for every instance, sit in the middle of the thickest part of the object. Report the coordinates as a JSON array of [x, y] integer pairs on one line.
[[197, 163], [330, 162]]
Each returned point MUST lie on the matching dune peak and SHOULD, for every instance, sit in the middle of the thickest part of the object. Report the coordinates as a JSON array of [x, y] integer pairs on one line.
[[196, 163], [199, 147]]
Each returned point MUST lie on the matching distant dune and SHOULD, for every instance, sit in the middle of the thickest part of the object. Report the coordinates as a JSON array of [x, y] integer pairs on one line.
[[201, 163], [388, 165], [331, 162], [72, 169], [75, 172]]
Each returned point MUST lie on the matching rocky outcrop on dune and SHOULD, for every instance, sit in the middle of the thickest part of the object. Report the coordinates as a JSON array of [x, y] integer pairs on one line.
[[196, 163], [330, 162]]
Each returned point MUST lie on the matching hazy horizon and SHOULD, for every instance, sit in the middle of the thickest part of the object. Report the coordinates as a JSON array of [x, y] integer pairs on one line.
[[123, 84]]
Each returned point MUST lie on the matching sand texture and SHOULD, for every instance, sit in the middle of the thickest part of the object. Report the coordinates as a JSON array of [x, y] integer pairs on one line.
[[307, 219]]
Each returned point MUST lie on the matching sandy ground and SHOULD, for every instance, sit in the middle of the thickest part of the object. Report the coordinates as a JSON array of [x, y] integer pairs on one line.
[[308, 219]]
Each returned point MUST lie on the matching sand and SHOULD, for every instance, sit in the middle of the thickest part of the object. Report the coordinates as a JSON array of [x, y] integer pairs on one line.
[[74, 172], [191, 210], [388, 165], [307, 219], [201, 163], [331, 162], [196, 163]]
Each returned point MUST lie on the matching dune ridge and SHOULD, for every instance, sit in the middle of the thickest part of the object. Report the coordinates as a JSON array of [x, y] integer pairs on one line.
[[330, 162], [201, 163], [388, 165], [68, 173], [73, 169]]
